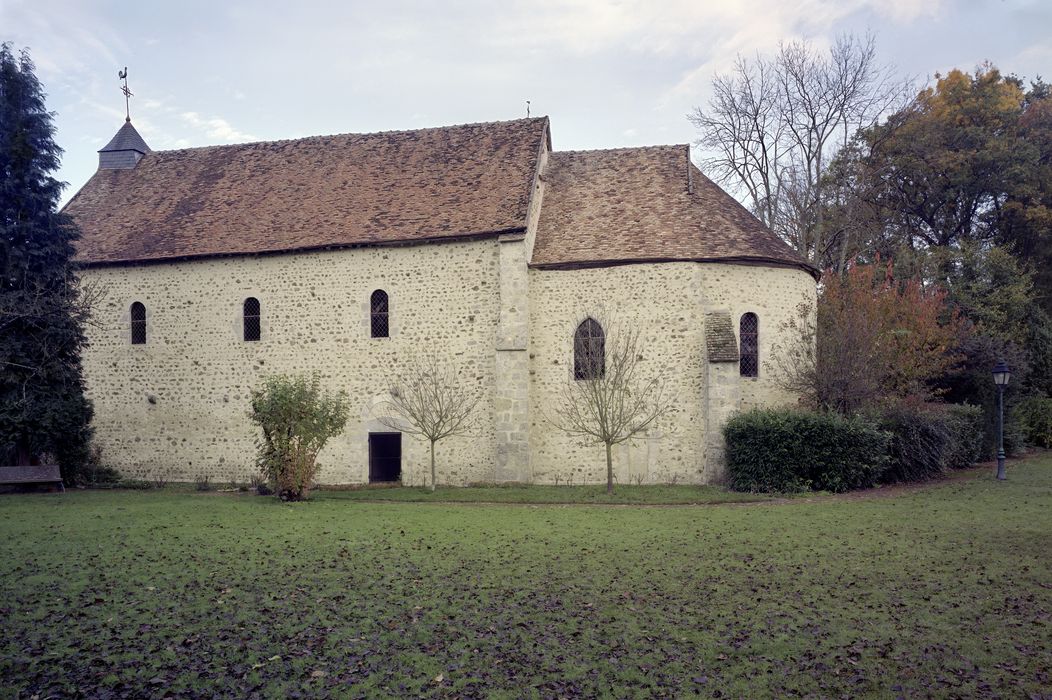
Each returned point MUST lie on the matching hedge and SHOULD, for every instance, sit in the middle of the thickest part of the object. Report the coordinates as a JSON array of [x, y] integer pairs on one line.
[[787, 450], [965, 423], [920, 442], [1034, 416]]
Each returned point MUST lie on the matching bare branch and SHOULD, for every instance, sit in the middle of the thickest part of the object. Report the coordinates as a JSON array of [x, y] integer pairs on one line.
[[773, 126], [612, 403], [428, 398]]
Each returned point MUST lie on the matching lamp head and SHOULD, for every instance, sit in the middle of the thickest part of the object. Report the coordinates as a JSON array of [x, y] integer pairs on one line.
[[1001, 374]]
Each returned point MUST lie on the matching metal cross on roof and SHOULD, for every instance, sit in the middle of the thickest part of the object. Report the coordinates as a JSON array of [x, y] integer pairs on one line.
[[123, 75]]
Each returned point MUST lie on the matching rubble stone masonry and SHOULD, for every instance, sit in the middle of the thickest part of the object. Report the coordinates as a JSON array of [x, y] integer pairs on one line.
[[178, 405]]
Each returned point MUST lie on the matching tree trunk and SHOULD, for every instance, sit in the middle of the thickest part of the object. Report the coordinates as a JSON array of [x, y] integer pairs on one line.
[[23, 457], [609, 470], [432, 466]]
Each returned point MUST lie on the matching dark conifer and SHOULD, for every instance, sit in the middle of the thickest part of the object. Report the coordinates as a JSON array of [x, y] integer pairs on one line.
[[43, 410]]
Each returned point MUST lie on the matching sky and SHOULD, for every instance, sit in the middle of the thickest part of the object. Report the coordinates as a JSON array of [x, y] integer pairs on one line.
[[608, 74]]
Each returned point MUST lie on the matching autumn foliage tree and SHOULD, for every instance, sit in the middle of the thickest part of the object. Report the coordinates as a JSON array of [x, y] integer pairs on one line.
[[967, 162], [875, 340]]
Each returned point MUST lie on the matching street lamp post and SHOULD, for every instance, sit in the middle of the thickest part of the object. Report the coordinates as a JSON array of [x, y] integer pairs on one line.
[[1001, 375]]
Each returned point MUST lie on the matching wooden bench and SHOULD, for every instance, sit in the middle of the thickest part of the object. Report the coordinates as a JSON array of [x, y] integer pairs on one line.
[[39, 474]]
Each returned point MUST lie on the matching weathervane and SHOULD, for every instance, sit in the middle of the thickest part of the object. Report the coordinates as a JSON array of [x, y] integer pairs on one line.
[[123, 75], [527, 107]]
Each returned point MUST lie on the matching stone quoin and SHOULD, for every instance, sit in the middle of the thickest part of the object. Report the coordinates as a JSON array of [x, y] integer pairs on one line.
[[491, 249]]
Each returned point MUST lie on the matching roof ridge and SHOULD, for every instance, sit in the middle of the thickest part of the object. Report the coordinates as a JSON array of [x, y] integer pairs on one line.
[[659, 147], [389, 132]]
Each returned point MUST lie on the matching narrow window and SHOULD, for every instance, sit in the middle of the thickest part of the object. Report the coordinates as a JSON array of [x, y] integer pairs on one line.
[[138, 323], [379, 314], [589, 350], [251, 314], [749, 338]]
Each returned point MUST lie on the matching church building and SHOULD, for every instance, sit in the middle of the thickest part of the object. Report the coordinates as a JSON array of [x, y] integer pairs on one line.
[[349, 255]]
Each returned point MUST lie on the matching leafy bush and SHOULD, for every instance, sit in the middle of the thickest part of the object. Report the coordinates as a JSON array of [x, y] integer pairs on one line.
[[96, 473], [965, 424], [1034, 417], [920, 439], [203, 483], [784, 450], [297, 417]]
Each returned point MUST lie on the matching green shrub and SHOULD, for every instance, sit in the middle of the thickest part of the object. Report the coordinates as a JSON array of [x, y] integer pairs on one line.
[[297, 417], [920, 438], [135, 484], [785, 450], [965, 425], [96, 473], [1034, 418]]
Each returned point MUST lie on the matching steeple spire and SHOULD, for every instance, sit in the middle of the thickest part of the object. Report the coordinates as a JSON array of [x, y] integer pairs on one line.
[[126, 148], [123, 75], [124, 151]]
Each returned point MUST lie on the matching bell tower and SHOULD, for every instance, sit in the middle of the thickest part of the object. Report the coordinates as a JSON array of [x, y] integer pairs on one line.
[[126, 148]]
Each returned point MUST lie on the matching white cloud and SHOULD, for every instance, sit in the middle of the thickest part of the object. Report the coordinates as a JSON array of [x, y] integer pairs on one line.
[[584, 26], [216, 128], [904, 11]]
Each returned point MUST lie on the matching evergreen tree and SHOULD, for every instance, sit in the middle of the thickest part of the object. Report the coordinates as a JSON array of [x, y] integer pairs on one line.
[[43, 410]]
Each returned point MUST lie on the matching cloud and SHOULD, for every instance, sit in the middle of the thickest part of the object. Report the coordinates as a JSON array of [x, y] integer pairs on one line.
[[761, 26], [586, 26], [216, 128], [905, 11], [66, 39]]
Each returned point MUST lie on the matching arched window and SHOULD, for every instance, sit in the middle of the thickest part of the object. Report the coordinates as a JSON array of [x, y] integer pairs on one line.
[[749, 339], [138, 323], [251, 318], [589, 350], [379, 314]]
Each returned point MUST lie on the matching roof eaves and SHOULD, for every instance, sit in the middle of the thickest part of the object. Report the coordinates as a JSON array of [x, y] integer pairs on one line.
[[160, 260], [750, 260]]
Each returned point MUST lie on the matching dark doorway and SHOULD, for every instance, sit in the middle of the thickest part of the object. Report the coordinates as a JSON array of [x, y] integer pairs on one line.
[[385, 457]]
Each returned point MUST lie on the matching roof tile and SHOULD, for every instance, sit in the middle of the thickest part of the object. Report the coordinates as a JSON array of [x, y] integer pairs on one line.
[[639, 204], [317, 192]]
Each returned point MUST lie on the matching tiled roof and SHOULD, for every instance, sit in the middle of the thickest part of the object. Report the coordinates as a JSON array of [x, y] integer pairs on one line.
[[126, 139], [325, 191], [719, 337], [640, 204]]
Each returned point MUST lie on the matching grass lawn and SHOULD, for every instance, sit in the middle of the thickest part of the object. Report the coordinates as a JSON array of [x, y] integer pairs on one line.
[[944, 591], [517, 493]]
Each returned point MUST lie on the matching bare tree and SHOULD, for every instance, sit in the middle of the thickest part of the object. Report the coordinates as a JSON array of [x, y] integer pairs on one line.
[[773, 126], [429, 399], [605, 399]]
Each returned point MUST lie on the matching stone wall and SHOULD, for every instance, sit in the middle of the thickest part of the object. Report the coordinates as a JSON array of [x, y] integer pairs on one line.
[[667, 303], [773, 294], [178, 405], [664, 303], [511, 387]]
